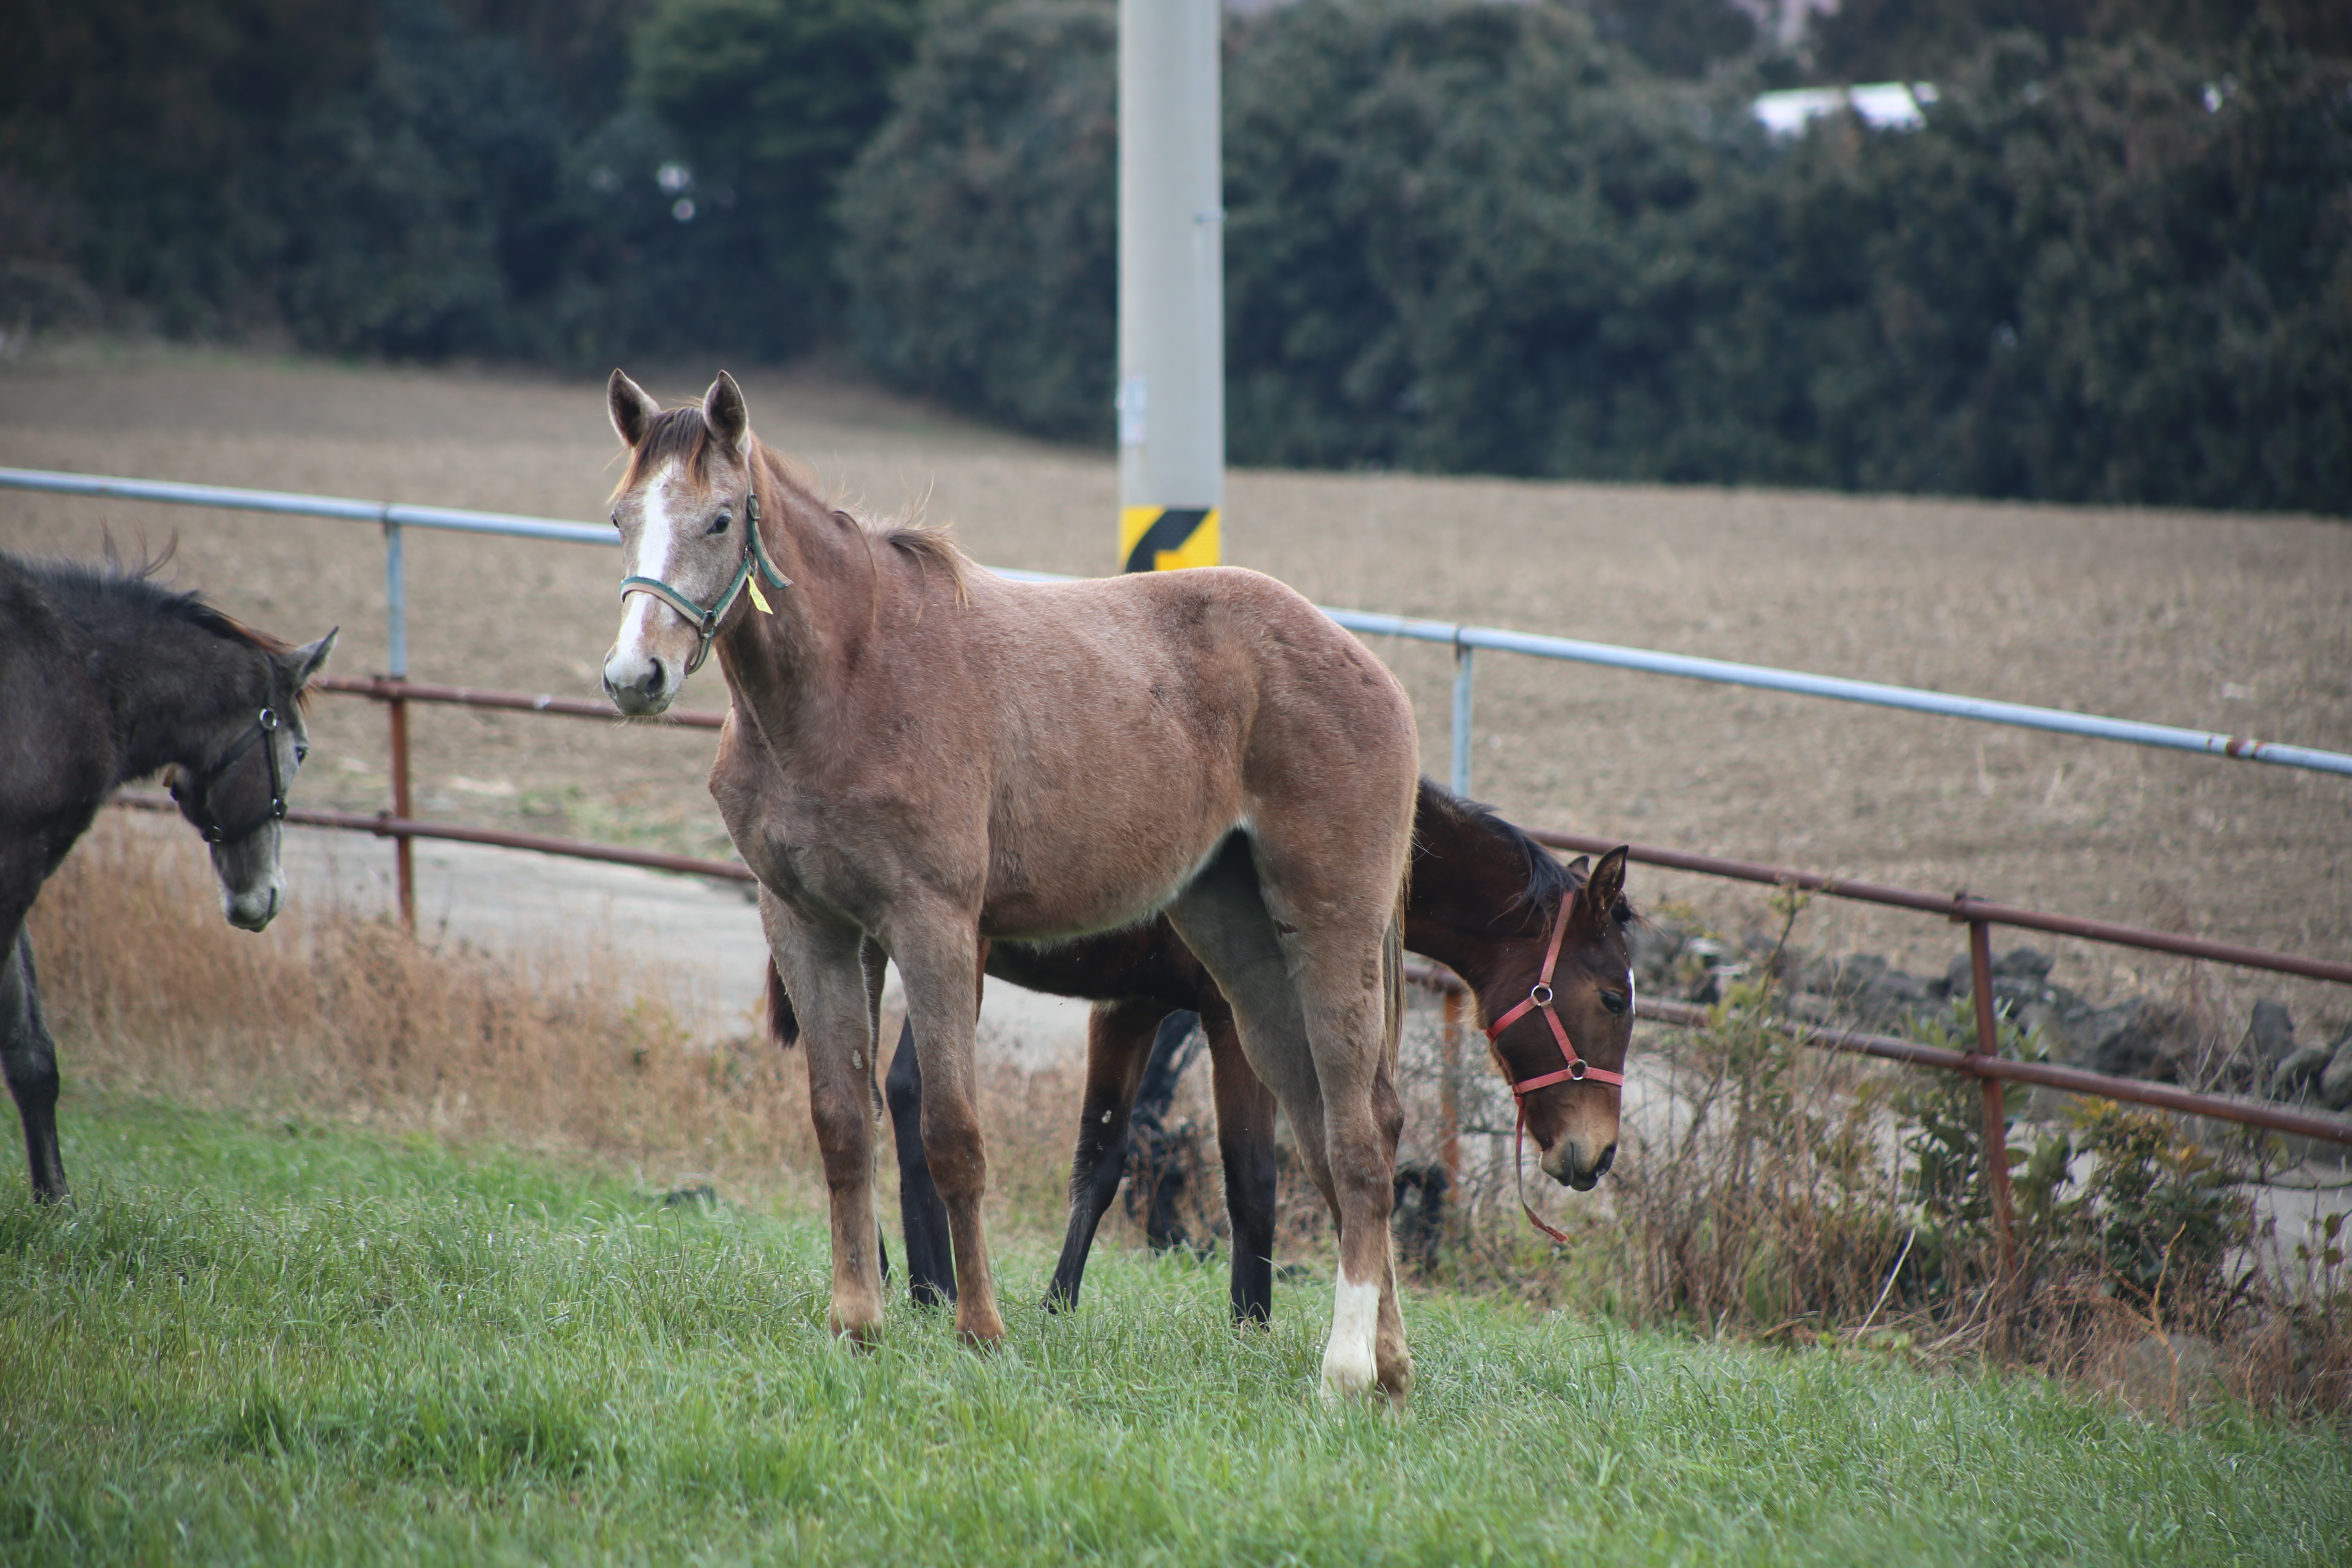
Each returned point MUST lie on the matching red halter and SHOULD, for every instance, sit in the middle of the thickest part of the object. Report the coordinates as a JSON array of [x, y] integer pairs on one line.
[[1577, 1069]]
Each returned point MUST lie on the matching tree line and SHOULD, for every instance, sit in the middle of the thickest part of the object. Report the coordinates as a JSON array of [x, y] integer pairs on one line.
[[2112, 264]]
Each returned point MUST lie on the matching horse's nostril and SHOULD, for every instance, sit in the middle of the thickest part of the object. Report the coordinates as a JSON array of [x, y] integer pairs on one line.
[[1607, 1158], [652, 676]]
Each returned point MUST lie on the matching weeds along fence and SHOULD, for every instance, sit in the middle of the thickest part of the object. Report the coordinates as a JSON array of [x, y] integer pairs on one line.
[[395, 693]]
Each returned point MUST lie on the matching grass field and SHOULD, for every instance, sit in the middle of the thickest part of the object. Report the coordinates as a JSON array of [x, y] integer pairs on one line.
[[290, 1342]]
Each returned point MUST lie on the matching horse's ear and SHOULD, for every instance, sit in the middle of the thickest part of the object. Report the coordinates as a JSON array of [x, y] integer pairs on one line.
[[632, 408], [724, 413], [1605, 887], [300, 664], [1581, 867]]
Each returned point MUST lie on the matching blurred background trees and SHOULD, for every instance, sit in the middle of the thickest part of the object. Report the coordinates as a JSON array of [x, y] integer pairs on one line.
[[1542, 239]]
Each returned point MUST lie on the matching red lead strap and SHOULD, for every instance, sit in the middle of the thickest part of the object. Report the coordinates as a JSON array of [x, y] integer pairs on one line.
[[1577, 1069]]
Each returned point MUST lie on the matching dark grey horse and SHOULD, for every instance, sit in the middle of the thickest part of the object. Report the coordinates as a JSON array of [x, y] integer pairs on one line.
[[107, 677]]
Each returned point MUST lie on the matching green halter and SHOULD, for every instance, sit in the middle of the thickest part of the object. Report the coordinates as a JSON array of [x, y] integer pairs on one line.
[[706, 620]]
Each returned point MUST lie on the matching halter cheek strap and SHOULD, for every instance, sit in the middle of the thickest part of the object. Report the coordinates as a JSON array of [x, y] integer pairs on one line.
[[1575, 1071], [705, 618], [197, 795]]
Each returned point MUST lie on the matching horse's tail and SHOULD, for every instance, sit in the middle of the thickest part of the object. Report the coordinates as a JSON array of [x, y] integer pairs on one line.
[[782, 1022]]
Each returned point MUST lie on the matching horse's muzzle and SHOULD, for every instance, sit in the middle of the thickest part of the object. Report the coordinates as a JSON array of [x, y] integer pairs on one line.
[[1565, 1163], [637, 684], [253, 909]]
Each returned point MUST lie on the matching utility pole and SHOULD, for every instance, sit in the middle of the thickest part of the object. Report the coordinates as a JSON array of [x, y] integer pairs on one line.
[[1171, 286]]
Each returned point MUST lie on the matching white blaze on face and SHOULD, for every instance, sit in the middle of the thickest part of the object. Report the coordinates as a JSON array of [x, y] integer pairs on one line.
[[1348, 1360], [644, 615]]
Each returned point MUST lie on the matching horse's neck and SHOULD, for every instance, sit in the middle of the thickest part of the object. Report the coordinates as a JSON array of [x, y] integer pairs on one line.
[[171, 685], [1468, 889], [787, 667]]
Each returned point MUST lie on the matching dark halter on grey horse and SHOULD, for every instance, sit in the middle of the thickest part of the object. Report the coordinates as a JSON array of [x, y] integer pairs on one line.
[[194, 790]]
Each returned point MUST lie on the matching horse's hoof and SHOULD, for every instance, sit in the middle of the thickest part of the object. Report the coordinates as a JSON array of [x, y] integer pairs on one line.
[[982, 1334], [1344, 1380], [860, 1336]]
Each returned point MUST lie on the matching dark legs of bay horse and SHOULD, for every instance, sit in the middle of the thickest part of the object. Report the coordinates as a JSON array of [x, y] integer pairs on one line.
[[1119, 1038], [931, 1261], [1245, 1110], [30, 1060]]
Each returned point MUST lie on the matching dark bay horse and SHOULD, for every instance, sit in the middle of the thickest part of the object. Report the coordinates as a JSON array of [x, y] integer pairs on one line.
[[106, 677], [1484, 899], [921, 758]]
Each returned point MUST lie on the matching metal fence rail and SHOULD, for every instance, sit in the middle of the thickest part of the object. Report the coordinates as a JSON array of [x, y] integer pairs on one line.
[[1465, 640]]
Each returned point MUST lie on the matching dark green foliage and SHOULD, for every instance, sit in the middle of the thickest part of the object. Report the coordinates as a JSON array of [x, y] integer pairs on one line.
[[1674, 37], [773, 99], [422, 178], [1902, 40], [1470, 237], [981, 250]]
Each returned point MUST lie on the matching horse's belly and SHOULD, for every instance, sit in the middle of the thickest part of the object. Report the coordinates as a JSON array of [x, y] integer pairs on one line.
[[1044, 888]]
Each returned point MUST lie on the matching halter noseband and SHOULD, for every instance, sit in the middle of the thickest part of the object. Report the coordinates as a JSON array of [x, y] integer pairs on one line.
[[195, 796], [704, 619], [1576, 1070]]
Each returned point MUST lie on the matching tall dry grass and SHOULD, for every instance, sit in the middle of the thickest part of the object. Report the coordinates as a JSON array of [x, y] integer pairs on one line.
[[336, 1014], [559, 1044]]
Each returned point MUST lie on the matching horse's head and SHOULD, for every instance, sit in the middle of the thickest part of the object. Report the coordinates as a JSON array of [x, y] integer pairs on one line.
[[689, 537], [1574, 1121], [233, 790]]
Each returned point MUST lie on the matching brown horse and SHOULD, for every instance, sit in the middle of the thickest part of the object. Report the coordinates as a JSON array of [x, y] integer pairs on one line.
[[1484, 898], [921, 758]]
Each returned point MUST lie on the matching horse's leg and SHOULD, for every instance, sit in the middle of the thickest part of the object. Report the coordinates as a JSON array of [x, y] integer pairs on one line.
[[939, 958], [1118, 1042], [931, 1268], [1245, 1141], [823, 974], [1283, 919], [1223, 917], [29, 1057], [1344, 966]]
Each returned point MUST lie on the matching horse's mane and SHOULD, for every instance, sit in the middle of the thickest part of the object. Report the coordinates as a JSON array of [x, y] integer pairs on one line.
[[1548, 881], [682, 436], [102, 594]]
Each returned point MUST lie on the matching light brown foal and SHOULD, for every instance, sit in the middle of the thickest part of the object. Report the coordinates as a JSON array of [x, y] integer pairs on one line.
[[921, 757]]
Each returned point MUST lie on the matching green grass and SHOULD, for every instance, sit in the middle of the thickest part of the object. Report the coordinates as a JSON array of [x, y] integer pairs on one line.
[[291, 1343]]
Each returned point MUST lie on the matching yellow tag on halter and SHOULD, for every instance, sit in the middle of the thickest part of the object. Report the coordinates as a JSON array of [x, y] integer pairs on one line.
[[757, 597]]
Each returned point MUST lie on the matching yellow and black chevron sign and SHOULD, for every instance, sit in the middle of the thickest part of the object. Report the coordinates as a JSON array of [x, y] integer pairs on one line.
[[1162, 538]]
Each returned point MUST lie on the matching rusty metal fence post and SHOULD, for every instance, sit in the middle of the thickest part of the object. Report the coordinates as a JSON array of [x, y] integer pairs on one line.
[[1996, 1117]]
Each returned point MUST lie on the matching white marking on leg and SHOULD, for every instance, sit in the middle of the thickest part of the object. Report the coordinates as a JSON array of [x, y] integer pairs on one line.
[[1348, 1364]]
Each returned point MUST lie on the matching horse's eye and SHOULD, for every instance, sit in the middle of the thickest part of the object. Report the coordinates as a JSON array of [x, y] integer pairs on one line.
[[301, 753], [719, 524], [616, 516], [1613, 1002]]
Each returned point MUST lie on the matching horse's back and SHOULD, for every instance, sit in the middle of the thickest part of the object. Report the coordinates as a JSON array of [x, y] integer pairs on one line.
[[1142, 720]]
